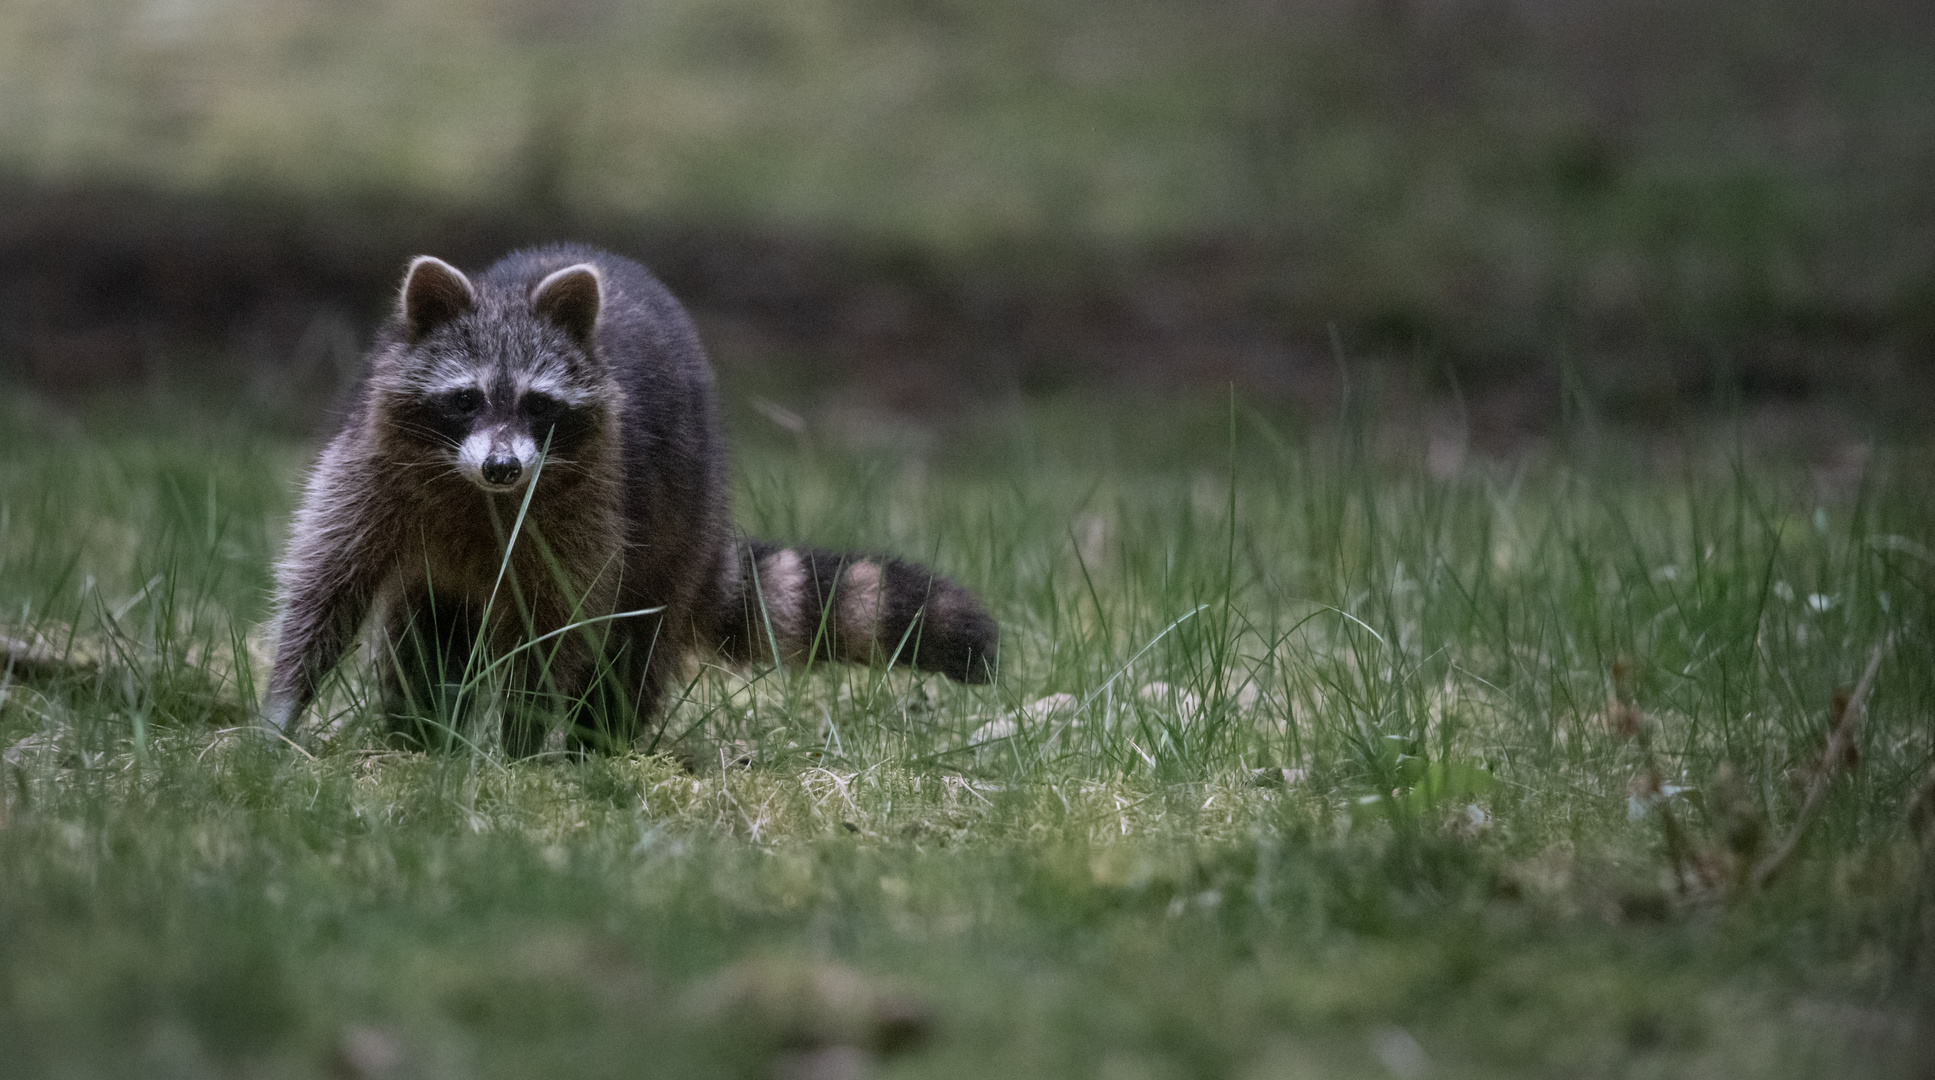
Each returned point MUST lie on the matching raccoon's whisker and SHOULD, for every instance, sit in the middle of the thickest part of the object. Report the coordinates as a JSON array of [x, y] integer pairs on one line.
[[421, 431], [432, 463], [441, 469], [429, 435], [572, 467]]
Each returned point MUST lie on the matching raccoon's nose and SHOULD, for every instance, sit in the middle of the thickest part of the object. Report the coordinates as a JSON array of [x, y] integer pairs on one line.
[[501, 470]]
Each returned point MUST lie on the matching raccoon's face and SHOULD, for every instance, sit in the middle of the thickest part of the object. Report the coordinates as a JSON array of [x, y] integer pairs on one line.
[[498, 436], [500, 387]]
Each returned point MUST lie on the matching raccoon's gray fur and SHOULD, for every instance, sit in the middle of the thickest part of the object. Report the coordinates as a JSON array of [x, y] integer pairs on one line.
[[578, 368]]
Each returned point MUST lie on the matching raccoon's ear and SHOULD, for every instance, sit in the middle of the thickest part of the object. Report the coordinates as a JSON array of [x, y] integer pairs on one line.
[[434, 292], [571, 298]]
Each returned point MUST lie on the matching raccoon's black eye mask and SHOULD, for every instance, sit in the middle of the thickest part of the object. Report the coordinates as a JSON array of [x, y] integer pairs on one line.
[[460, 402], [541, 408]]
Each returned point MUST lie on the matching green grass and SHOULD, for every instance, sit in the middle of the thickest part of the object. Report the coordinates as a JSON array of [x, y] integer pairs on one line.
[[1125, 887]]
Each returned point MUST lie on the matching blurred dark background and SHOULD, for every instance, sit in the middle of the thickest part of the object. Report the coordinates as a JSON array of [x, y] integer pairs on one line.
[[920, 205]]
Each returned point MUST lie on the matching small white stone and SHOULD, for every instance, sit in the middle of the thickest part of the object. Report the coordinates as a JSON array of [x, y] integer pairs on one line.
[[1045, 707], [1183, 703], [994, 729], [1399, 1053]]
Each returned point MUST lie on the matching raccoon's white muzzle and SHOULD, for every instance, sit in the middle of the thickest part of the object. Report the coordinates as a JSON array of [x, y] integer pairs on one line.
[[498, 460]]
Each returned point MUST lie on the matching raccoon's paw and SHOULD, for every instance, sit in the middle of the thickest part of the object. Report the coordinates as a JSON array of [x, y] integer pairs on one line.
[[276, 720]]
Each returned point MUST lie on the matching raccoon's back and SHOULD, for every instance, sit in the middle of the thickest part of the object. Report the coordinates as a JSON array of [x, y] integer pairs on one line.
[[676, 503]]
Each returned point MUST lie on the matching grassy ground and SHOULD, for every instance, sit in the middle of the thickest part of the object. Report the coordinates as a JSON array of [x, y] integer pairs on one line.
[[1376, 759]]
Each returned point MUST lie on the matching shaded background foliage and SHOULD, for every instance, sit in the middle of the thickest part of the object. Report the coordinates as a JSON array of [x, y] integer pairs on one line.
[[915, 203]]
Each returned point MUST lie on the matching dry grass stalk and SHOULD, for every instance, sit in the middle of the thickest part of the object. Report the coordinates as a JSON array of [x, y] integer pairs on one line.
[[1840, 747]]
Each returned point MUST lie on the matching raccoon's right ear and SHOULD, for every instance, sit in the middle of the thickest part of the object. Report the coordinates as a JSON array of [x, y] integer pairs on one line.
[[434, 292]]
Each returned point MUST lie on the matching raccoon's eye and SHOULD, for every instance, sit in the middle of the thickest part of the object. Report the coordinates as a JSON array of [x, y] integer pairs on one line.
[[466, 400], [542, 407]]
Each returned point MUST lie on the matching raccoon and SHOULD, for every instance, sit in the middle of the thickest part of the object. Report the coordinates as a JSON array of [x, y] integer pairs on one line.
[[532, 485]]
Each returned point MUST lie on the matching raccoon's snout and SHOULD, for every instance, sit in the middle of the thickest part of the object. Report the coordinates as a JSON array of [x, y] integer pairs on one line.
[[496, 459], [501, 470]]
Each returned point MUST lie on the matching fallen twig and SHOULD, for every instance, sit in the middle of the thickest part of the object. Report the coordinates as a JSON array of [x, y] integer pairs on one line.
[[38, 659]]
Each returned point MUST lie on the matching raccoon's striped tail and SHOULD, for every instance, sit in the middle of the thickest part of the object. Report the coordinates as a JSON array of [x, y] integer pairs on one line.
[[796, 604]]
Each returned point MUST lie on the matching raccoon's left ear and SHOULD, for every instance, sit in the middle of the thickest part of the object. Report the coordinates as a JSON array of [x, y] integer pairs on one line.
[[570, 298]]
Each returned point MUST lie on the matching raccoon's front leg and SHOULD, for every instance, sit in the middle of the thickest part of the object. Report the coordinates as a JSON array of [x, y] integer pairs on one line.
[[541, 685], [436, 667], [430, 666], [561, 677], [625, 691], [325, 588], [315, 630]]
